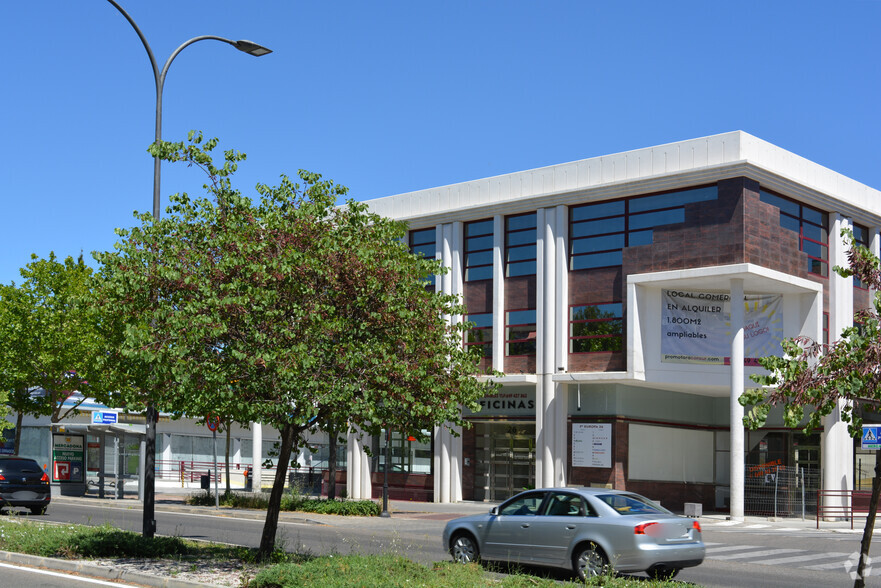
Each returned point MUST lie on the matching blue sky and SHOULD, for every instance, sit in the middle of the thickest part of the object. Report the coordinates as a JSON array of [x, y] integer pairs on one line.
[[389, 97]]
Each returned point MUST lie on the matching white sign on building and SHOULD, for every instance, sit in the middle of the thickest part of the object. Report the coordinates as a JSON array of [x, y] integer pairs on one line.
[[591, 445]]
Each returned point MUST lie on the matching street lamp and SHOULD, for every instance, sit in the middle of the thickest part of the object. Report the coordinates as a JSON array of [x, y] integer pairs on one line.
[[251, 48]]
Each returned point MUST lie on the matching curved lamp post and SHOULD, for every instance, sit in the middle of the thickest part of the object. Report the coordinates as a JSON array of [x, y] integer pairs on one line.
[[149, 490]]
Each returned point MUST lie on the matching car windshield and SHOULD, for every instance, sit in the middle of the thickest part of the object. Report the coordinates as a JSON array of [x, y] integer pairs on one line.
[[629, 504], [19, 466]]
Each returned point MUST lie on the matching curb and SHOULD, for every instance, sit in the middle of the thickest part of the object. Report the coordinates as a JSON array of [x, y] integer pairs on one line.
[[90, 569]]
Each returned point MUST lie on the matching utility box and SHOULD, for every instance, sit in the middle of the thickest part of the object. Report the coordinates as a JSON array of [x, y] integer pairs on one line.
[[205, 481], [694, 509]]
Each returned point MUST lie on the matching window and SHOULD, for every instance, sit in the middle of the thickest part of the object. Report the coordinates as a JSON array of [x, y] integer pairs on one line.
[[520, 332], [524, 505], [826, 328], [479, 250], [596, 327], [406, 453], [631, 504], [598, 233], [861, 238], [812, 227], [520, 249], [424, 242], [481, 334], [566, 505]]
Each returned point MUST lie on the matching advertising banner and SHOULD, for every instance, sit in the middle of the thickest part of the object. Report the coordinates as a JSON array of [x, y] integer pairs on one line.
[[696, 327], [68, 458]]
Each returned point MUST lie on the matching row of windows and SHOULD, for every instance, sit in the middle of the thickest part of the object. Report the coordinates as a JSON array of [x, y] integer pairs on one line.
[[599, 232], [592, 327], [811, 226]]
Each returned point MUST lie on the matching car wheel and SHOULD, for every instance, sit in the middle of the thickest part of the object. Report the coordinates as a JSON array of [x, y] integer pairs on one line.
[[589, 561], [663, 572], [464, 549], [38, 510]]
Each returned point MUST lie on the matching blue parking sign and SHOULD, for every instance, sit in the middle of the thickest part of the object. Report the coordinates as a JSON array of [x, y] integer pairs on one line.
[[870, 437]]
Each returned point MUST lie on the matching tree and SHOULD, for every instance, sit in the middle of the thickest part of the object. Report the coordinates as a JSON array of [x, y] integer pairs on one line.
[[50, 340], [317, 313], [813, 379]]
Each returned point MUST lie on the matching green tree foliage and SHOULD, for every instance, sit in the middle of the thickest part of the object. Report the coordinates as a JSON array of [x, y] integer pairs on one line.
[[812, 379], [285, 310], [49, 338]]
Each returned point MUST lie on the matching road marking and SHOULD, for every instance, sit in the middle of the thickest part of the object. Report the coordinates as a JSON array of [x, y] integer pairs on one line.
[[829, 566], [60, 575], [764, 553], [732, 548], [798, 558]]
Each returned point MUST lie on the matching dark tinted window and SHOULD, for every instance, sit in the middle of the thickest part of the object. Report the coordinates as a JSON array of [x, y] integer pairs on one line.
[[20, 466]]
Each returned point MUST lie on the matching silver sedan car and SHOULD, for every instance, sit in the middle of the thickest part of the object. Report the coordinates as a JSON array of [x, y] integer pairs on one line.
[[591, 531]]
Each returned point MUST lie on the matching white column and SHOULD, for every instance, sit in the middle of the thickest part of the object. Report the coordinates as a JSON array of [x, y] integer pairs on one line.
[[837, 444], [442, 440], [546, 316], [736, 410], [366, 483], [257, 456], [353, 467], [457, 288], [561, 345], [498, 294]]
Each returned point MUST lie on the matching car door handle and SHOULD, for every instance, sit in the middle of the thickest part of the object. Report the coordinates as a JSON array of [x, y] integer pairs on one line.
[[525, 526], [570, 527]]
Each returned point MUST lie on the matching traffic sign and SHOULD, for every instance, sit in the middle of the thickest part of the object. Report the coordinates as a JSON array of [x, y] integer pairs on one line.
[[100, 417], [870, 437], [212, 422]]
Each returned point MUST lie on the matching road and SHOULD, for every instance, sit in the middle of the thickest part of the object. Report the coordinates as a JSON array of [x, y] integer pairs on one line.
[[13, 575], [772, 556]]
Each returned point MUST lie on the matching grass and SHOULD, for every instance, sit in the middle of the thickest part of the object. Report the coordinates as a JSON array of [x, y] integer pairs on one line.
[[285, 571], [394, 571]]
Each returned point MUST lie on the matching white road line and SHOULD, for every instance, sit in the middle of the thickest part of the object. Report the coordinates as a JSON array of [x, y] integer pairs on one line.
[[828, 566], [65, 576], [798, 558], [712, 550], [764, 553]]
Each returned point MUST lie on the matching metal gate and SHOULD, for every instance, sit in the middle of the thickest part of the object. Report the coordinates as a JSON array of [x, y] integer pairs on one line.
[[505, 460]]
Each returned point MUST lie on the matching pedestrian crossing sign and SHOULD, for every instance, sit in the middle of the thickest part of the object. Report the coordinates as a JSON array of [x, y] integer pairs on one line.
[[870, 437]]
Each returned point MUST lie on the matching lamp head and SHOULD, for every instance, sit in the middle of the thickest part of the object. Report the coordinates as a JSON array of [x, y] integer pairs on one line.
[[251, 48]]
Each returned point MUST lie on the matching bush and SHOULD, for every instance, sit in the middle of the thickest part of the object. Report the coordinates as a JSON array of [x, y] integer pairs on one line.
[[289, 502]]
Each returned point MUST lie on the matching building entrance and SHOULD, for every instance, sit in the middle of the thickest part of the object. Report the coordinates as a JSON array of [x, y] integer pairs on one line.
[[504, 460]]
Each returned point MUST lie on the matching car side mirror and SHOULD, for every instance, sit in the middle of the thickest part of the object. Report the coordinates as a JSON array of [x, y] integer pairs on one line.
[[494, 511]]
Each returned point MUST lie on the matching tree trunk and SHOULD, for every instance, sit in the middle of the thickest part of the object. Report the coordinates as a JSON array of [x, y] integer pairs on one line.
[[18, 419], [331, 463], [228, 439], [859, 581], [270, 527]]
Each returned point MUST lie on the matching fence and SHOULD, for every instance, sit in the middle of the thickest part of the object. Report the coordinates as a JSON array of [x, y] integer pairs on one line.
[[308, 480], [775, 490]]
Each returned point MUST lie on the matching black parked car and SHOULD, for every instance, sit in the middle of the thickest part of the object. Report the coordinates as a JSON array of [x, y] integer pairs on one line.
[[23, 483]]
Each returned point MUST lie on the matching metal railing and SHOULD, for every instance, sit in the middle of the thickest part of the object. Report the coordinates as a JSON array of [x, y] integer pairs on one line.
[[842, 504]]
